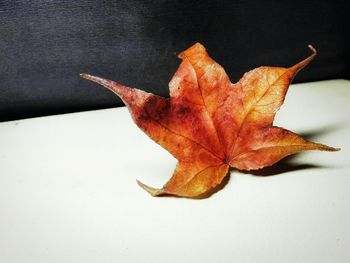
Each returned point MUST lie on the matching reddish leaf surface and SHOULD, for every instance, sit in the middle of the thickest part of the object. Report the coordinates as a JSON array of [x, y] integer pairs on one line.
[[210, 124]]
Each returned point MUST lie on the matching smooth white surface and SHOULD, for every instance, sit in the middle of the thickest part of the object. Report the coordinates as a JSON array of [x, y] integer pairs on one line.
[[68, 193]]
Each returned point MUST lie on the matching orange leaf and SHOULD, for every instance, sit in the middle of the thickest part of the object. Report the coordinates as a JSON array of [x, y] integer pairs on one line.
[[209, 124]]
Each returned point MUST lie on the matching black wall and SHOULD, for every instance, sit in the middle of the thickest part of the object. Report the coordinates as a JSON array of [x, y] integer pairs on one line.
[[44, 45]]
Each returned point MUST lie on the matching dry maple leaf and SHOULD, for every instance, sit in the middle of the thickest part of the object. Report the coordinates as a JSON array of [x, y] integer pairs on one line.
[[209, 124]]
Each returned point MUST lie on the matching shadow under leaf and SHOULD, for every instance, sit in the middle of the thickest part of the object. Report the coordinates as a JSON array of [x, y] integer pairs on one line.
[[284, 166], [313, 134]]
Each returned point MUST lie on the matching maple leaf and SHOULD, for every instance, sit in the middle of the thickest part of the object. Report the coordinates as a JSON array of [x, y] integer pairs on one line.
[[210, 124]]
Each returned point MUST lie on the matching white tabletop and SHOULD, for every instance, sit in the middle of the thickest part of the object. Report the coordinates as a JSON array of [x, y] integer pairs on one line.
[[68, 192]]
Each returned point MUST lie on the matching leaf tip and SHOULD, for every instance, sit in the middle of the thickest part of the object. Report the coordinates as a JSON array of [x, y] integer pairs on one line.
[[332, 149], [196, 48], [152, 191], [304, 62], [111, 85], [84, 75], [314, 51], [327, 148], [88, 76]]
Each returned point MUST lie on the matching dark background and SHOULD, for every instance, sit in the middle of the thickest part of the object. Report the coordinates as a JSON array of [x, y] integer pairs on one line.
[[44, 45]]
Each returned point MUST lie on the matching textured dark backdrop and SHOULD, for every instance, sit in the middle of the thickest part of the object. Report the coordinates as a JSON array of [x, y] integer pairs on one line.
[[44, 45]]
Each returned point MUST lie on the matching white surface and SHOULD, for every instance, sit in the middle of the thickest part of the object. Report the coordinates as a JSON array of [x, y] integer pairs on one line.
[[68, 193]]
